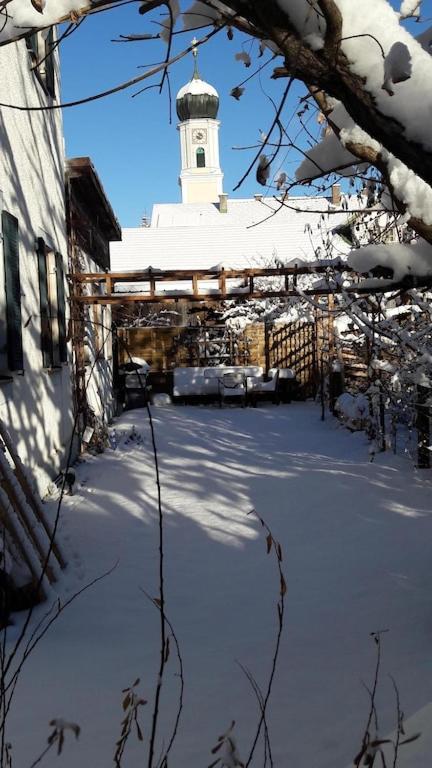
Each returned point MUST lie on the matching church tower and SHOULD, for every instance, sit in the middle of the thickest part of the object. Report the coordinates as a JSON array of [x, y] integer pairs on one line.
[[197, 106]]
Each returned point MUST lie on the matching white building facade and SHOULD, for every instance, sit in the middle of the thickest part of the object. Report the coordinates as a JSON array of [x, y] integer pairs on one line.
[[35, 373], [91, 226]]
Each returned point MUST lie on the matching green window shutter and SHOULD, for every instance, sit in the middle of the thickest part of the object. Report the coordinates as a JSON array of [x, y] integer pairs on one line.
[[49, 64], [32, 42], [13, 292], [61, 308], [46, 335]]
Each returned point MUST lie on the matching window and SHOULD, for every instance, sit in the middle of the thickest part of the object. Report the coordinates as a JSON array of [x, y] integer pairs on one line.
[[41, 46], [52, 306], [11, 348], [200, 156]]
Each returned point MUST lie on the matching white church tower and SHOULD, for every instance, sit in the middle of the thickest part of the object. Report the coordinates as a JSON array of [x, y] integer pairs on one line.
[[197, 106]]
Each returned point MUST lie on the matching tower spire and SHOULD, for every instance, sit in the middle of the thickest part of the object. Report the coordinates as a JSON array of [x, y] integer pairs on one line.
[[197, 105], [196, 74]]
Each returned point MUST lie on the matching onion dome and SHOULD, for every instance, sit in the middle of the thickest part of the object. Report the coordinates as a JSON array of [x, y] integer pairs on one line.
[[197, 99]]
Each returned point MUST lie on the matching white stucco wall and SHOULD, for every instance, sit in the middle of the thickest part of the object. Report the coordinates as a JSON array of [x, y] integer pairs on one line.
[[36, 405], [200, 184]]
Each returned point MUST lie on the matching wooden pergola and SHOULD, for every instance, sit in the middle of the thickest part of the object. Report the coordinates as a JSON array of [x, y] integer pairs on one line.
[[223, 284]]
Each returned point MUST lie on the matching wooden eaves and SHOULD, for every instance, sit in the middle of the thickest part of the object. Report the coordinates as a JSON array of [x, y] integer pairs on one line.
[[82, 174]]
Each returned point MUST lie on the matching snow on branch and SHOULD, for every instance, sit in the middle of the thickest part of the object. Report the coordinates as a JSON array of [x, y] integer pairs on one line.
[[365, 36], [347, 143], [410, 9], [19, 17], [402, 259], [330, 153]]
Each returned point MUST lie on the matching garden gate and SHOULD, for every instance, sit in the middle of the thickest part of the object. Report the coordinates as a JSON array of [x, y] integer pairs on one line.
[[294, 345]]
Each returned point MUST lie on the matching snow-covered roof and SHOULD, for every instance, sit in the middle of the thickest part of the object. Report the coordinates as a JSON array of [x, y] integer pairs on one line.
[[198, 236], [240, 212]]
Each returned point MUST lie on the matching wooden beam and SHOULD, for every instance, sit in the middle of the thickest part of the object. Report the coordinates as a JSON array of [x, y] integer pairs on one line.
[[167, 275], [128, 298], [246, 276]]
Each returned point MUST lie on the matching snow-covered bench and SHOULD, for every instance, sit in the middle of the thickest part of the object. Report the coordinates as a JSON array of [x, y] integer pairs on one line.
[[257, 388], [188, 382]]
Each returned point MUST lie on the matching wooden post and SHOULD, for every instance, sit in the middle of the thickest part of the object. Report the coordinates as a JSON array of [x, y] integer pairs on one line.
[[330, 326], [315, 351], [222, 283], [267, 347], [336, 383], [322, 386], [382, 419], [195, 285], [423, 427]]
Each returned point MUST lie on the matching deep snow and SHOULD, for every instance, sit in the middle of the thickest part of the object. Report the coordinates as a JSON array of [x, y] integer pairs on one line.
[[356, 538]]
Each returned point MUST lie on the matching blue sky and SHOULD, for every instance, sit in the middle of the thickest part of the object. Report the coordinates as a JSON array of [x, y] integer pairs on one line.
[[133, 145], [131, 141]]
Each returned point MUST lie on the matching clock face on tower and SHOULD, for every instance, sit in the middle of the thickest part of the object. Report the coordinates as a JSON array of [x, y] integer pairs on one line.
[[199, 136]]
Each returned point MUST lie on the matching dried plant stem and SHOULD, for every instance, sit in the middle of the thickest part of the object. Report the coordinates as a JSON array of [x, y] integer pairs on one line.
[[161, 597], [271, 544], [42, 755], [163, 761], [260, 698], [399, 729]]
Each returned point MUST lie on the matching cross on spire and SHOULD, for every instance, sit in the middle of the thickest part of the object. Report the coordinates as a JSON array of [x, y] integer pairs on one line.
[[196, 74]]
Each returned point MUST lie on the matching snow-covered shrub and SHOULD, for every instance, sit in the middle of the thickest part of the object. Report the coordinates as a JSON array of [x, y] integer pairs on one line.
[[353, 410], [161, 399]]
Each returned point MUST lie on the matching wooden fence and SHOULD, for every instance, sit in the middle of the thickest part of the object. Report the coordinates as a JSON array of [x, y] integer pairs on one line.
[[271, 345]]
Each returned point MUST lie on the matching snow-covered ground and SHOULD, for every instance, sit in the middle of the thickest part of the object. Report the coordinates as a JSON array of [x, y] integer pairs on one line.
[[356, 538]]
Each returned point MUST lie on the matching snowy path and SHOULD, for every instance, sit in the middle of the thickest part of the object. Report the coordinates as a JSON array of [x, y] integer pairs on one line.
[[357, 541]]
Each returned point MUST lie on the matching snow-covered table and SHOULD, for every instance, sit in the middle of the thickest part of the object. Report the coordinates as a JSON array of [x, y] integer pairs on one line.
[[201, 382]]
